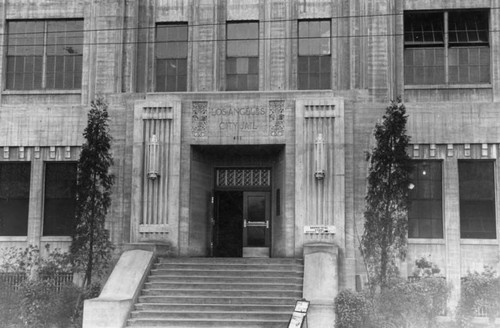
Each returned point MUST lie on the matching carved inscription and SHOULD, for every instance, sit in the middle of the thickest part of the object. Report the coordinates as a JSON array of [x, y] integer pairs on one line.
[[232, 120]]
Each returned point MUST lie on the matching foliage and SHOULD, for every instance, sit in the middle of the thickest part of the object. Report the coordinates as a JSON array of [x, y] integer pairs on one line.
[[402, 303], [42, 306], [352, 310], [425, 268], [21, 260], [479, 290], [9, 305], [413, 303], [386, 213], [29, 261], [36, 302], [91, 248]]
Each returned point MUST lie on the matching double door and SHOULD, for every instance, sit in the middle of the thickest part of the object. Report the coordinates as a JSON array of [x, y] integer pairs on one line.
[[241, 224]]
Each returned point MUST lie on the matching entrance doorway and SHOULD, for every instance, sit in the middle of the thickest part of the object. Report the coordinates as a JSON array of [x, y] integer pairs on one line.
[[241, 223]]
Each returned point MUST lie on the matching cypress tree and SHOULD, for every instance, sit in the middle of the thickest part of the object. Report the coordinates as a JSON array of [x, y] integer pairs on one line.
[[386, 214], [91, 247]]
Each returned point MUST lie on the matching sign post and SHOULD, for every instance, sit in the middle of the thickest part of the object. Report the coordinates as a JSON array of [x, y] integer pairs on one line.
[[299, 314]]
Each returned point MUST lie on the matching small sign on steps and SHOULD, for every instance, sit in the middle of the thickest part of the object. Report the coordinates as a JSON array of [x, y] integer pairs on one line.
[[299, 314]]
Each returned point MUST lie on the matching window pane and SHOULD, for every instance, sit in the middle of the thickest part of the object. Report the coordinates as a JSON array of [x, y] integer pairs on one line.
[[60, 199], [468, 26], [424, 66], [477, 199], [424, 28], [25, 38], [14, 198], [253, 82], [314, 37], [425, 211], [243, 39], [314, 72], [65, 37], [171, 51]]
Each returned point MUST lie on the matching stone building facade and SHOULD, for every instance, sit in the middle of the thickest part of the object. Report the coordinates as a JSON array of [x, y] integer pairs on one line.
[[222, 110]]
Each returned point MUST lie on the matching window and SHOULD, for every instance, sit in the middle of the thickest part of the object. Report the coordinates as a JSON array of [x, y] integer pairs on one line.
[[44, 54], [242, 56], [447, 47], [314, 61], [14, 198], [60, 201], [425, 215], [477, 199], [171, 57]]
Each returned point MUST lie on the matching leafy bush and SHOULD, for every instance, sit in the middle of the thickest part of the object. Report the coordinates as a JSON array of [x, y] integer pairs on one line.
[[413, 303], [9, 306], [40, 301], [352, 310], [479, 291], [402, 303]]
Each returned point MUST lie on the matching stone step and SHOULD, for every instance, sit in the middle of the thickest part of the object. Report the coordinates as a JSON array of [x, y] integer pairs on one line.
[[296, 279], [230, 260], [222, 293], [219, 293], [230, 266], [253, 285], [216, 300], [211, 315], [225, 273], [188, 323], [215, 307]]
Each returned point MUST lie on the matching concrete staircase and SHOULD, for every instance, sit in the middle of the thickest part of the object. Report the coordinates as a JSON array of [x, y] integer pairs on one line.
[[219, 292]]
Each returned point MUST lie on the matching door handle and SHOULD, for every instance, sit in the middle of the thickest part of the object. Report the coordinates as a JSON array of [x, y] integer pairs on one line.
[[256, 224]]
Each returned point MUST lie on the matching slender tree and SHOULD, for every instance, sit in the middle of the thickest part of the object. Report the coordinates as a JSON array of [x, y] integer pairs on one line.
[[91, 247], [386, 214]]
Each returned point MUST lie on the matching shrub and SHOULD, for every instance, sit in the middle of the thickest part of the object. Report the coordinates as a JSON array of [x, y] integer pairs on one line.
[[402, 303], [9, 305], [352, 310], [40, 301], [413, 303], [479, 291]]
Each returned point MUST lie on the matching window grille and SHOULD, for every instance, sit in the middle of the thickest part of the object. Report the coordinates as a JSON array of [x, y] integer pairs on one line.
[[243, 177]]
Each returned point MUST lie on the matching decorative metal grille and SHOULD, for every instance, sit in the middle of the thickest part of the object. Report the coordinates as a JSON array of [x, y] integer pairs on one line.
[[243, 177], [199, 118], [277, 117]]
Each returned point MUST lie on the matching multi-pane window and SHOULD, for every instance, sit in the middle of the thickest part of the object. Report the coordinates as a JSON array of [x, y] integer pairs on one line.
[[171, 52], [425, 215], [44, 54], [14, 198], [60, 201], [242, 56], [449, 47], [477, 199], [314, 58]]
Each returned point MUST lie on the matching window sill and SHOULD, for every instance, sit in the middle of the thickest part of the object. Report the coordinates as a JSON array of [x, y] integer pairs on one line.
[[42, 92], [433, 241], [475, 241], [55, 239], [447, 86], [13, 238]]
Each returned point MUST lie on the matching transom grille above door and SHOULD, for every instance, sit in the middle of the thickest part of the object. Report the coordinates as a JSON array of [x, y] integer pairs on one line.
[[226, 177]]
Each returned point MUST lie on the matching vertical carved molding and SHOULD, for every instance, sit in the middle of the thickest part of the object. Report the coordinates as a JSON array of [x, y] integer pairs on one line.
[[320, 202], [155, 202]]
